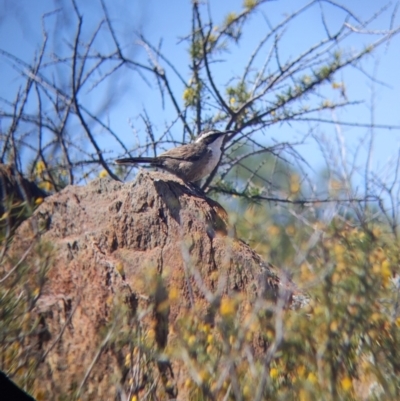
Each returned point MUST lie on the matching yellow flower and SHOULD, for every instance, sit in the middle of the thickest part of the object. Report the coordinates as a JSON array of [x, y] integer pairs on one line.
[[339, 252], [204, 375], [386, 272], [103, 174], [376, 317], [173, 293], [151, 334], [40, 167], [341, 267], [312, 378], [46, 185], [192, 340], [273, 373], [247, 391], [273, 230], [376, 268], [38, 201], [346, 383], [303, 395], [334, 326], [301, 370], [227, 307]]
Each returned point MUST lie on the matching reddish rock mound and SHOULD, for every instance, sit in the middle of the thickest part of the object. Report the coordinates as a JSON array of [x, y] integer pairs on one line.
[[129, 261]]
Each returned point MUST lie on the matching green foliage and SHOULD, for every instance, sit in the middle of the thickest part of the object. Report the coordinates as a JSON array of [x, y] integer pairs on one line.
[[22, 279], [250, 4], [192, 94], [239, 94], [342, 343]]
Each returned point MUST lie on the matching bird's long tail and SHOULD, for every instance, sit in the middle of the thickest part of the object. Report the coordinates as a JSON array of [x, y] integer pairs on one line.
[[134, 160]]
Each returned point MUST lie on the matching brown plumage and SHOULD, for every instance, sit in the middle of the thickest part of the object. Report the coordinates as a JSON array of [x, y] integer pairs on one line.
[[190, 162]]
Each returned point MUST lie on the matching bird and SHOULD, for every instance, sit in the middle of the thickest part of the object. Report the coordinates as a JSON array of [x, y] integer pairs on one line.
[[190, 162]]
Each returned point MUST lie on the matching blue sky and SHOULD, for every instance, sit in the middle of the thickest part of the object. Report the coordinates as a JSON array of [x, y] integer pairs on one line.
[[20, 33]]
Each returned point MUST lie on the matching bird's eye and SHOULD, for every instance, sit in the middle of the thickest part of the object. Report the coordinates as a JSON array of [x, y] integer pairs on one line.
[[211, 138]]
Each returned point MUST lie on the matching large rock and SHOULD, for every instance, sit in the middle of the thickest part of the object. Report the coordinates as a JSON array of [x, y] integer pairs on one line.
[[119, 250]]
